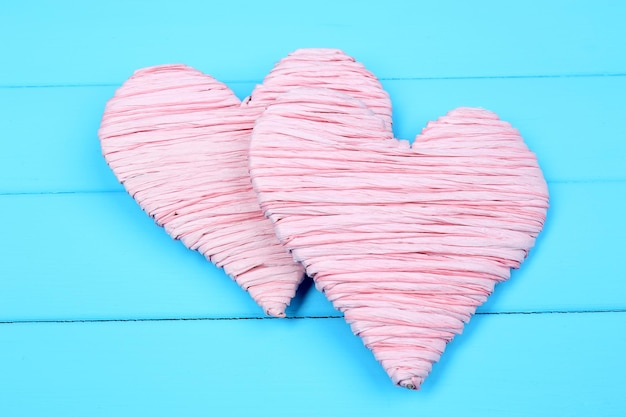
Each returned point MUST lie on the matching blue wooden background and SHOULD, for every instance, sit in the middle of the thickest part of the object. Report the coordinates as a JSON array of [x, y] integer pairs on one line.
[[102, 314]]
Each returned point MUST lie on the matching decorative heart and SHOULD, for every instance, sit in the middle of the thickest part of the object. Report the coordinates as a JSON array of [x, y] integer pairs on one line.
[[407, 241], [178, 140]]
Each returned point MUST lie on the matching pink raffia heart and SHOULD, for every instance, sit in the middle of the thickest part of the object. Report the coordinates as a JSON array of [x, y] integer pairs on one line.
[[407, 241], [178, 140]]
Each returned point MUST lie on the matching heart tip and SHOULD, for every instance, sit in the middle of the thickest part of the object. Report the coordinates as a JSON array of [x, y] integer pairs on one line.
[[276, 312], [412, 384]]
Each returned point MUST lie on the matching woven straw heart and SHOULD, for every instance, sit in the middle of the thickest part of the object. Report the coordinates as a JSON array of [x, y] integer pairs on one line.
[[406, 241], [178, 140]]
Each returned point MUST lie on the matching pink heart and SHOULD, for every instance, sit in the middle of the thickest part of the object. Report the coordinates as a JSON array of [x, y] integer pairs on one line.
[[407, 241], [178, 140]]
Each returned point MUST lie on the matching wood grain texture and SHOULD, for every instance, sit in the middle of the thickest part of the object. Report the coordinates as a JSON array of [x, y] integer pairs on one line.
[[75, 247]]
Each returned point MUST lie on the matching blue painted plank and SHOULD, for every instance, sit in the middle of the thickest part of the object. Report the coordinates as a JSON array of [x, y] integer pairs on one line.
[[574, 125], [65, 42], [50, 139], [72, 256], [513, 365], [69, 256]]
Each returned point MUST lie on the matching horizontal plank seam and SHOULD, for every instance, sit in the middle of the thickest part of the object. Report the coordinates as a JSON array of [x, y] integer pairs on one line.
[[173, 319], [118, 191], [34, 193], [477, 77]]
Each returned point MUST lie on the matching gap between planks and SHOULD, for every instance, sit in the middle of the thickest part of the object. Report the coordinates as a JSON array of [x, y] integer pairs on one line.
[[477, 77], [121, 190], [173, 319]]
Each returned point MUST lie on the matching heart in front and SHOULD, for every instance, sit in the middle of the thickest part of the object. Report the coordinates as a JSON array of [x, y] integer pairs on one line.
[[406, 240]]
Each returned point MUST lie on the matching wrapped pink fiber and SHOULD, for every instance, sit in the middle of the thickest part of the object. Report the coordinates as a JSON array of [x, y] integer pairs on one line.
[[407, 241], [178, 140]]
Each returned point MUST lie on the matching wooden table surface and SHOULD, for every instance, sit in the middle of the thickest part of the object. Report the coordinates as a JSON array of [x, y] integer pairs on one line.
[[102, 314]]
